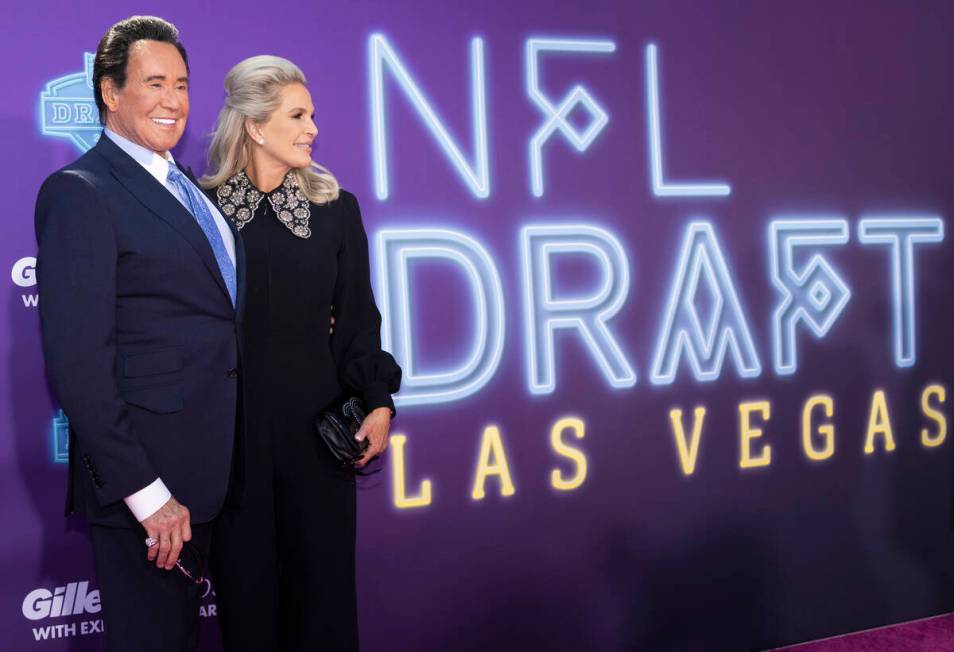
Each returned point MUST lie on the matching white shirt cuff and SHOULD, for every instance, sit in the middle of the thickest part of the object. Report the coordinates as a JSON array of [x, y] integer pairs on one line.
[[147, 501]]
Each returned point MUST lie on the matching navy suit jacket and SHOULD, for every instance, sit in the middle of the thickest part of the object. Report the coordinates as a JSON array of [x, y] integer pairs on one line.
[[140, 337]]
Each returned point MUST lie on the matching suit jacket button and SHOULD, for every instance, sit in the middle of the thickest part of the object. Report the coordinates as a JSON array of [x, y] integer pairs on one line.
[[232, 373]]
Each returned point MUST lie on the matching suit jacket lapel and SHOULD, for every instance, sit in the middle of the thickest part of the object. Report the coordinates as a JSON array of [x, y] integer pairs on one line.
[[154, 196], [191, 175], [239, 248], [239, 268]]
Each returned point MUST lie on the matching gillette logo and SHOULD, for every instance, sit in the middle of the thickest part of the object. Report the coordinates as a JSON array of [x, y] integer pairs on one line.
[[23, 275], [71, 600]]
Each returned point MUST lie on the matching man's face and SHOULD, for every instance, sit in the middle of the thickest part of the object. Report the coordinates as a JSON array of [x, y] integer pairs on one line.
[[151, 109]]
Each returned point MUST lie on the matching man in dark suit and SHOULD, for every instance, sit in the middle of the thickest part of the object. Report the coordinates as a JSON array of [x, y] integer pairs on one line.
[[141, 279]]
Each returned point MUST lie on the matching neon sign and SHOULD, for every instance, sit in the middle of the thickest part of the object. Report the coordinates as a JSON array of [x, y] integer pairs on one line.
[[694, 341]]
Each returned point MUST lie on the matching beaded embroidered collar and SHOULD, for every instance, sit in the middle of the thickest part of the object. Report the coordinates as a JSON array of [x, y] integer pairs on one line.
[[239, 200]]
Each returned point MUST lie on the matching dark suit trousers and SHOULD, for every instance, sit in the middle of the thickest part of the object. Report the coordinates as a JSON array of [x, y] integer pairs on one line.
[[145, 608]]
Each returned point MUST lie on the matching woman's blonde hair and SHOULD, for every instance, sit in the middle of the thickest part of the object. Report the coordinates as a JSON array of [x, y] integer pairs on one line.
[[253, 92]]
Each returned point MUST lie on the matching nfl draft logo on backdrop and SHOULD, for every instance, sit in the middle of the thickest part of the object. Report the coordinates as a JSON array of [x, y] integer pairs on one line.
[[68, 110], [60, 438]]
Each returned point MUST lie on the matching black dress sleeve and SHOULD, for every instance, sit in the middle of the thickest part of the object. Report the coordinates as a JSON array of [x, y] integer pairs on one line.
[[356, 343]]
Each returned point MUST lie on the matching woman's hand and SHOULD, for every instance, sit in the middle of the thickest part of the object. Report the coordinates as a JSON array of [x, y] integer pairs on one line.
[[376, 428]]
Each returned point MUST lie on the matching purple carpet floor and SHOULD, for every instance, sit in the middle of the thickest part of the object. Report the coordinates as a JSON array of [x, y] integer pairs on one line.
[[928, 635]]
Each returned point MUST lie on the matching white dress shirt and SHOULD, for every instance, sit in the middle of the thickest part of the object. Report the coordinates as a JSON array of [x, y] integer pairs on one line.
[[147, 501]]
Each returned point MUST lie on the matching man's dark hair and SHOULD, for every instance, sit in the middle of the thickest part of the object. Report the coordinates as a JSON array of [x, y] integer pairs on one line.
[[112, 54]]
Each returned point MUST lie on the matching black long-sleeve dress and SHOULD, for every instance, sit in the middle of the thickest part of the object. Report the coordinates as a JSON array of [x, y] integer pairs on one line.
[[283, 555]]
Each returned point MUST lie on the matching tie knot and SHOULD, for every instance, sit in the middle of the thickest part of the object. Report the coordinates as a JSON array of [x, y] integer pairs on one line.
[[174, 172]]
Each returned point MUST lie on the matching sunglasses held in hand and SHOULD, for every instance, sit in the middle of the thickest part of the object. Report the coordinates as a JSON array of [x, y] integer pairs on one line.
[[190, 562]]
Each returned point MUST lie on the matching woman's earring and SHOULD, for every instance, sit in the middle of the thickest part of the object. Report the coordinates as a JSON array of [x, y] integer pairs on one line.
[[261, 141]]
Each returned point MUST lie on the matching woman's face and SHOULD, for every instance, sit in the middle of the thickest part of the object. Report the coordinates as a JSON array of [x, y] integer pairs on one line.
[[290, 130]]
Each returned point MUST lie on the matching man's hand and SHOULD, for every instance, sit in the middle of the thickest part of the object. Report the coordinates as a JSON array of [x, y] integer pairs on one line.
[[170, 527], [376, 427]]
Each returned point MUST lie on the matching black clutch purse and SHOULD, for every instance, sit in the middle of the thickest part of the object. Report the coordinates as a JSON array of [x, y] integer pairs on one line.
[[337, 425]]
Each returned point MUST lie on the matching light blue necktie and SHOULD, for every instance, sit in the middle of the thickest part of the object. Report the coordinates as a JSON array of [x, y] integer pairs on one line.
[[196, 204]]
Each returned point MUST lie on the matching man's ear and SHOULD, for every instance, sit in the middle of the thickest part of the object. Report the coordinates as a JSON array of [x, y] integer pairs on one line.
[[107, 86]]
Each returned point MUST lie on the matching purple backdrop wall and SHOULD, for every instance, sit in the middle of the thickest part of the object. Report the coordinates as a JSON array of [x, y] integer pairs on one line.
[[829, 115]]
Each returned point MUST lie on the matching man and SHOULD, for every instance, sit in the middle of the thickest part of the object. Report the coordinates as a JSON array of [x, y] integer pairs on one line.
[[141, 280]]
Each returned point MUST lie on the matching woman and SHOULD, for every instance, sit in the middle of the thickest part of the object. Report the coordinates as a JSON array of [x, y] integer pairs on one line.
[[283, 557]]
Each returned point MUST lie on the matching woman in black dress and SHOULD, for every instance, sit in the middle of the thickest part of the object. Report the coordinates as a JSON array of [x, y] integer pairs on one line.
[[283, 551]]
